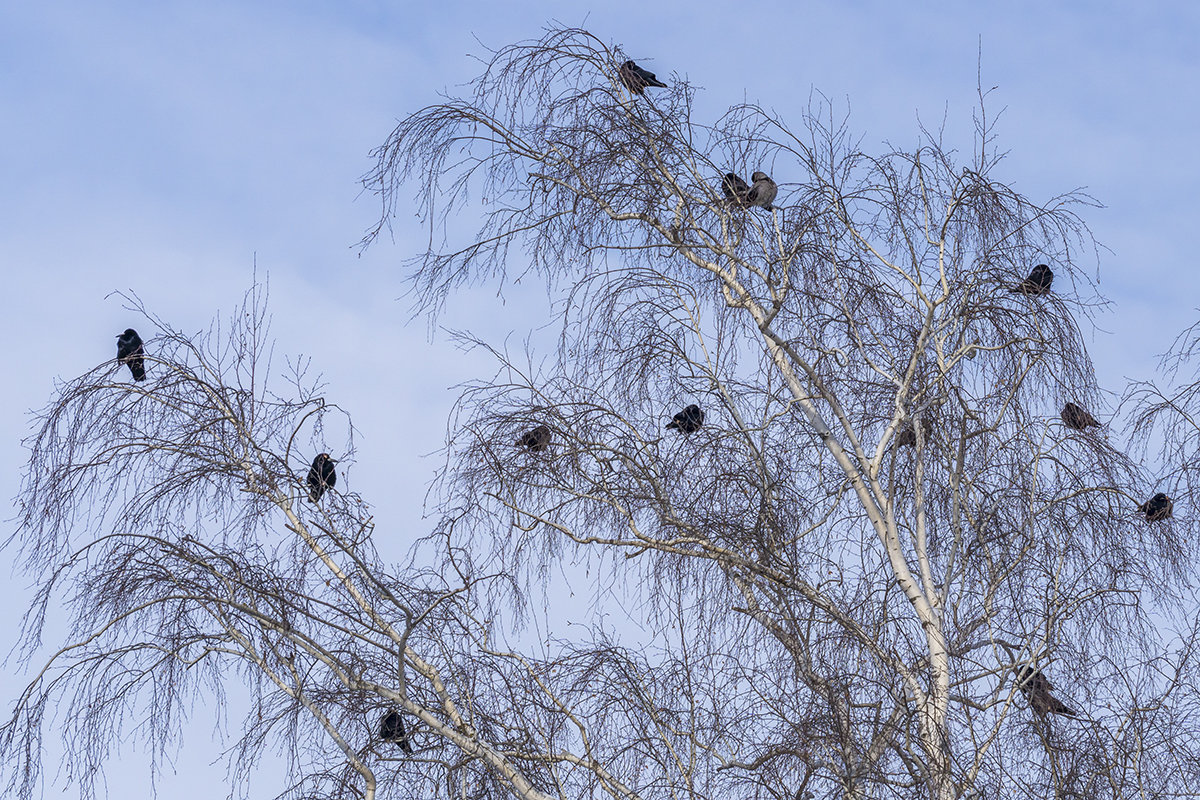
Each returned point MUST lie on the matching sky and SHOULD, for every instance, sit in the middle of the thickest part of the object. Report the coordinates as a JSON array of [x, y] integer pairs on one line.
[[176, 150]]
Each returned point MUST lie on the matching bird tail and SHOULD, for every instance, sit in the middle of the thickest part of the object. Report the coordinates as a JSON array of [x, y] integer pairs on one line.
[[1060, 707]]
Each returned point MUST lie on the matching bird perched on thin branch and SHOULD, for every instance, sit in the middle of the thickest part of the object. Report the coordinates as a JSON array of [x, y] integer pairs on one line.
[[1036, 686], [391, 729], [1157, 508], [1076, 418], [536, 440], [762, 191], [131, 352], [689, 420], [735, 189], [636, 79], [321, 476], [1038, 282]]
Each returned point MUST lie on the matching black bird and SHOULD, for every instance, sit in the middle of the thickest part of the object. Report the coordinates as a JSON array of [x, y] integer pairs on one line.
[[1038, 282], [689, 420], [1036, 686], [762, 192], [130, 351], [1157, 508], [1075, 418], [536, 440], [637, 79], [321, 476], [735, 189], [908, 434], [391, 729]]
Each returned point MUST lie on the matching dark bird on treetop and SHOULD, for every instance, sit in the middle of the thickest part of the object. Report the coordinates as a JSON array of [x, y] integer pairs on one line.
[[637, 79], [689, 420], [1038, 282], [763, 192], [536, 440], [1075, 418], [1036, 687], [321, 476], [391, 729], [1157, 508], [130, 351], [735, 189]]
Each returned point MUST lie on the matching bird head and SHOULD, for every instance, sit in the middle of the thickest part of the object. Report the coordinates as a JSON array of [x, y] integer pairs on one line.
[[760, 176], [1026, 674]]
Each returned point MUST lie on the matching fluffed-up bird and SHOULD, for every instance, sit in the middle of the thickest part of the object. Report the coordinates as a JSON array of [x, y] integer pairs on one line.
[[762, 191], [131, 352], [735, 189], [636, 79], [689, 420], [536, 440], [1076, 418], [1036, 686], [321, 476], [391, 729], [1157, 508], [1038, 282]]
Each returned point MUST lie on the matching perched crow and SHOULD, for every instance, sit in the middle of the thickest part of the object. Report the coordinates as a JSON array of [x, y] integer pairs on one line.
[[763, 192], [130, 351], [1075, 418], [1157, 508], [321, 476], [689, 420], [1038, 282], [735, 189], [908, 434], [391, 729], [1036, 686], [637, 79], [536, 440]]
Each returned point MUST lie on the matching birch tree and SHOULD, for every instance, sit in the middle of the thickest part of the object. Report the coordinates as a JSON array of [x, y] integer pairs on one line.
[[829, 589]]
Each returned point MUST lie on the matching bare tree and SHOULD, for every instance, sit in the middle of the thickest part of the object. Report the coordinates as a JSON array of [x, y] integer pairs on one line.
[[829, 588]]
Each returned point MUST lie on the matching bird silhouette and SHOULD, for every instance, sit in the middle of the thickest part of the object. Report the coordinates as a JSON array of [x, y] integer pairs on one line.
[[636, 79], [536, 440], [762, 192], [131, 352], [1075, 418], [1036, 687], [1157, 508], [1038, 282], [391, 729], [689, 420], [321, 476], [735, 189]]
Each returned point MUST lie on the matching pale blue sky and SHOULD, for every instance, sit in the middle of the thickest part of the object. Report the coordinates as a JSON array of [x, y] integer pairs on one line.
[[163, 147]]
